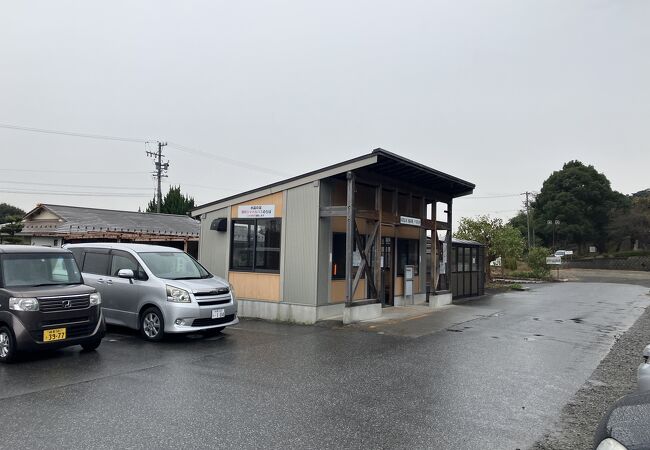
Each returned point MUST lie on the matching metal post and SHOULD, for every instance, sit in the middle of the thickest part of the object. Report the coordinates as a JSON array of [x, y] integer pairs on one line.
[[349, 240]]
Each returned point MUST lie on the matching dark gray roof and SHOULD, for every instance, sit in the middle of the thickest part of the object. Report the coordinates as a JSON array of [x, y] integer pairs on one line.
[[466, 242], [78, 219], [388, 164]]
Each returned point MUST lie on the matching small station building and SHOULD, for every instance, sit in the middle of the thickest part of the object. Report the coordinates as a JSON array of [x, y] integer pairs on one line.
[[345, 240]]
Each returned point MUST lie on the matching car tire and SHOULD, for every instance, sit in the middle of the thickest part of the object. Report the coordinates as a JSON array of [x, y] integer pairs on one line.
[[8, 350], [152, 324], [91, 345]]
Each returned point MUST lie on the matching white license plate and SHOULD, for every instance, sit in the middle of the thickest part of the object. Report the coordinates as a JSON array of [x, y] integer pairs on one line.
[[218, 313]]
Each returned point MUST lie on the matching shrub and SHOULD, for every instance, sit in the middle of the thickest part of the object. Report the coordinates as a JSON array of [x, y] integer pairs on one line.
[[510, 263], [537, 261]]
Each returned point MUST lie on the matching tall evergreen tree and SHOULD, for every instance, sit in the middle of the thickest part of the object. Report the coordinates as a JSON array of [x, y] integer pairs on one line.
[[174, 202], [580, 198]]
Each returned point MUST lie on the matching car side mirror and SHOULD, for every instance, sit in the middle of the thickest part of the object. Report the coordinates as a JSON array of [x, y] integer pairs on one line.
[[125, 273]]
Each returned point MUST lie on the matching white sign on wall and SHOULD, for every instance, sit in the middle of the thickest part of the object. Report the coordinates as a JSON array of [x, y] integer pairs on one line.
[[255, 211], [404, 220]]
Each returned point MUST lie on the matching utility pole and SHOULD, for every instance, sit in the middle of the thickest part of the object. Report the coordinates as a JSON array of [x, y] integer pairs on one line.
[[528, 216], [160, 172]]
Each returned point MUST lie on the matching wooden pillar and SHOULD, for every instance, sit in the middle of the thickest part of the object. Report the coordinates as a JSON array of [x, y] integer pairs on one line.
[[433, 287], [448, 240], [377, 261], [349, 240]]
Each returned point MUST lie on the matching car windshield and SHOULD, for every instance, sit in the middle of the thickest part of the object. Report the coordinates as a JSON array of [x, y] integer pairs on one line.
[[174, 265], [32, 270]]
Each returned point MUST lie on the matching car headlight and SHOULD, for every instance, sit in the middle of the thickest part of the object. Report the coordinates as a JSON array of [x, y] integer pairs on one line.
[[610, 444], [177, 295], [232, 289], [95, 299], [23, 304]]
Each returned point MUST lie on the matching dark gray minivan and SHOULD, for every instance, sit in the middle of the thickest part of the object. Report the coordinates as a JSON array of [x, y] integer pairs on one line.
[[44, 303]]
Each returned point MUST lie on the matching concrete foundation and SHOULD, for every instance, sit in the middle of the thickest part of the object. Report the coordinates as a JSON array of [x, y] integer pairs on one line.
[[287, 312], [440, 299], [360, 313], [416, 299]]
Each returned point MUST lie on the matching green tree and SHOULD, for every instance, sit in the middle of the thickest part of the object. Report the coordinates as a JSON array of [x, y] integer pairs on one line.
[[579, 198], [631, 222], [174, 202], [7, 211], [537, 261], [14, 226], [499, 239]]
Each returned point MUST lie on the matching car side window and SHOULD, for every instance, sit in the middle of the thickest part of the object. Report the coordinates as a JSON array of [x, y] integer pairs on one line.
[[96, 263], [125, 261]]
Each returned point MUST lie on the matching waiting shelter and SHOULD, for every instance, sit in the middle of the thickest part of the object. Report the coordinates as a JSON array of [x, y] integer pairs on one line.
[[346, 240]]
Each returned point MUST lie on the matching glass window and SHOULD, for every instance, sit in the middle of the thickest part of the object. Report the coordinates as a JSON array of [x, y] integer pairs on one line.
[[338, 256], [125, 261], [459, 259], [475, 260], [255, 245], [408, 252], [267, 245], [39, 270], [468, 259], [174, 265], [96, 263]]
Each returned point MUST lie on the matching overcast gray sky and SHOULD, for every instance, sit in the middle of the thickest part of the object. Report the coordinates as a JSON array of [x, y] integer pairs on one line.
[[500, 93]]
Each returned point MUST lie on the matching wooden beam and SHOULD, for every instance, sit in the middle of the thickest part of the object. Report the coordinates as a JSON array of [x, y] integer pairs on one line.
[[377, 262], [349, 236], [448, 238], [433, 284], [333, 211], [364, 265]]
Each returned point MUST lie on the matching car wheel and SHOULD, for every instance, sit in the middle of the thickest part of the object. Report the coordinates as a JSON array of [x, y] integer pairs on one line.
[[152, 325], [7, 345], [91, 345]]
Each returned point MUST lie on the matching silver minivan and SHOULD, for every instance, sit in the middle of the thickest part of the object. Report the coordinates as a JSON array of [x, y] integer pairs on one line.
[[156, 289]]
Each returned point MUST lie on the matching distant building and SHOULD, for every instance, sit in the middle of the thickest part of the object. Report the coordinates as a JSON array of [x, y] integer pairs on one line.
[[55, 225]]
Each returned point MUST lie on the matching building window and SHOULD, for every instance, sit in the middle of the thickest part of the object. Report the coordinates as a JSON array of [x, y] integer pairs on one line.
[[408, 254], [255, 245], [338, 256]]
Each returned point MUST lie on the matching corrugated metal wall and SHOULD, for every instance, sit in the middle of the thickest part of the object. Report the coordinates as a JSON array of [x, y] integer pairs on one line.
[[215, 245], [301, 245]]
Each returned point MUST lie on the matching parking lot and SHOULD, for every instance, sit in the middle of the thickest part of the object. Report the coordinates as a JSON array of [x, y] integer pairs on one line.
[[503, 368]]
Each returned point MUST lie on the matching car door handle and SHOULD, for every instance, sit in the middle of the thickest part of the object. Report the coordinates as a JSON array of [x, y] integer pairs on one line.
[[100, 280], [109, 281]]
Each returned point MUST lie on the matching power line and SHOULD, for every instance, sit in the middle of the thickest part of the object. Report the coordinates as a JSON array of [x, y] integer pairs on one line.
[[76, 185], [177, 146], [79, 194], [489, 196], [89, 172], [227, 160], [73, 133]]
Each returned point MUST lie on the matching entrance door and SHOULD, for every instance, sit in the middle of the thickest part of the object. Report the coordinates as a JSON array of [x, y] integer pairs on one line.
[[387, 252]]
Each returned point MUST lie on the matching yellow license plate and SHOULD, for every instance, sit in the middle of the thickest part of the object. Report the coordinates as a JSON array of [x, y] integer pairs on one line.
[[56, 334]]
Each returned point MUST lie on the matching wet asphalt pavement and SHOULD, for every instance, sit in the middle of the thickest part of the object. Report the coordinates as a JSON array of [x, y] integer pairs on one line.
[[496, 378]]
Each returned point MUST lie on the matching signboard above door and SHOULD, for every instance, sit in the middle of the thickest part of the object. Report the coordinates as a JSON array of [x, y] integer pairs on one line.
[[255, 211], [404, 220]]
